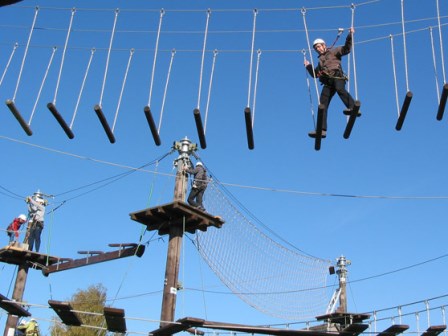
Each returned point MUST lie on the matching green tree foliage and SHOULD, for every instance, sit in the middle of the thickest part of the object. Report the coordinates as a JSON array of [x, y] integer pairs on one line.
[[88, 305]]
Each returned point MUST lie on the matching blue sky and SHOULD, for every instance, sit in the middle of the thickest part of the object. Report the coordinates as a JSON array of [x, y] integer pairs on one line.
[[403, 224]]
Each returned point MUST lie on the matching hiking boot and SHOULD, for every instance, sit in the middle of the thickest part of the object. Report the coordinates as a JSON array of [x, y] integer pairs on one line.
[[312, 134], [348, 112]]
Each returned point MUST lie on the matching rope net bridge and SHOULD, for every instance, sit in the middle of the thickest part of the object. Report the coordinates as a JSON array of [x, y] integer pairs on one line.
[[269, 277]]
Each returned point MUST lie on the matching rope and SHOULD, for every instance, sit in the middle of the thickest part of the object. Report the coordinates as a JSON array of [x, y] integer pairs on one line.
[[215, 54], [255, 86], [434, 63], [202, 59], [92, 52], [131, 53], [309, 88], [42, 84], [63, 54], [173, 52], [162, 13], [404, 46], [395, 74], [440, 40], [108, 56], [9, 62], [25, 54], [353, 54], [251, 57]]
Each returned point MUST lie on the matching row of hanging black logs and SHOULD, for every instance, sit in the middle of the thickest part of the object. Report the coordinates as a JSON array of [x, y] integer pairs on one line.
[[247, 116]]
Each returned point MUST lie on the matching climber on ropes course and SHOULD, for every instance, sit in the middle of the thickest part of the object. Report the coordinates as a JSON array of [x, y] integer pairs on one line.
[[331, 76]]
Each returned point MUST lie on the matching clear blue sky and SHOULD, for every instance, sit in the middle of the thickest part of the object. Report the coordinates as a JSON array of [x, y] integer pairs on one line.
[[405, 224]]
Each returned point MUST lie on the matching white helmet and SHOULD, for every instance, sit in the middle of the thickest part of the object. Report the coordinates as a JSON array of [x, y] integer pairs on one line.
[[318, 41], [22, 217], [199, 163]]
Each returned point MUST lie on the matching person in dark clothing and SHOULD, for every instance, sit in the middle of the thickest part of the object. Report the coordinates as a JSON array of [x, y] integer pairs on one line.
[[331, 76], [199, 185]]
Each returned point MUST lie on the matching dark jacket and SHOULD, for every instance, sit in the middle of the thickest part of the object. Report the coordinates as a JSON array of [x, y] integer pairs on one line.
[[200, 177], [330, 62]]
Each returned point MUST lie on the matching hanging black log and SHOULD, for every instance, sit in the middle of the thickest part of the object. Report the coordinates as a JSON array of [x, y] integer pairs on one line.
[[320, 119], [442, 102], [352, 119], [12, 107], [200, 128], [60, 120], [404, 110], [152, 125], [249, 131], [99, 113]]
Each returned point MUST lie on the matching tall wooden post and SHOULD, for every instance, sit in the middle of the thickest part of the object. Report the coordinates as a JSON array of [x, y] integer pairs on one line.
[[185, 148], [342, 264], [17, 295]]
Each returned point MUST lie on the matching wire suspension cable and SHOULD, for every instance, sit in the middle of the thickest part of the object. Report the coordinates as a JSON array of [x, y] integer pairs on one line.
[[202, 58], [42, 84], [353, 53], [173, 52], [63, 54], [9, 62], [162, 13], [255, 86], [434, 62], [309, 88], [251, 57], [441, 42], [404, 46], [215, 54], [395, 74], [131, 53], [81, 90], [108, 56], [25, 54]]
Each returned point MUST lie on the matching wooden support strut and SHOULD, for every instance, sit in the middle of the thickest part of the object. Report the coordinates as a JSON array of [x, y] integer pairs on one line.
[[152, 125], [442, 103], [99, 113], [60, 120], [352, 119], [200, 128], [249, 131], [404, 110], [320, 116], [12, 107]]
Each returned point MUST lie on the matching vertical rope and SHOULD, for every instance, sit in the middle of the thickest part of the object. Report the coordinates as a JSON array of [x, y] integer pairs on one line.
[[441, 42], [63, 54], [309, 89], [215, 54], [395, 74], [434, 63], [131, 53], [9, 62], [251, 57], [173, 52], [404, 46], [428, 312], [202, 59], [417, 322], [108, 56], [255, 86], [353, 53], [162, 13], [42, 84], [92, 52], [25, 54]]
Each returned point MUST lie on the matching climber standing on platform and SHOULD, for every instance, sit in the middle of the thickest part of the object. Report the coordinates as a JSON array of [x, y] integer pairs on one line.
[[331, 76], [36, 213], [199, 185], [13, 228]]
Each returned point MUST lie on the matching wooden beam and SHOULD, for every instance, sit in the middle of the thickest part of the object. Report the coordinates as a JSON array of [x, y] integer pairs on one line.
[[64, 311], [354, 329], [394, 330], [128, 250], [12, 307], [434, 330], [115, 319]]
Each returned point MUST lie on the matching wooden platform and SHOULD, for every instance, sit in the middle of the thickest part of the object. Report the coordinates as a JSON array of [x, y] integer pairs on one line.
[[162, 217], [17, 255], [343, 318]]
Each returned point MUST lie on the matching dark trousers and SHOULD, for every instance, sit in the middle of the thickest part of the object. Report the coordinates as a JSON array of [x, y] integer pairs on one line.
[[34, 237], [334, 85], [195, 197]]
